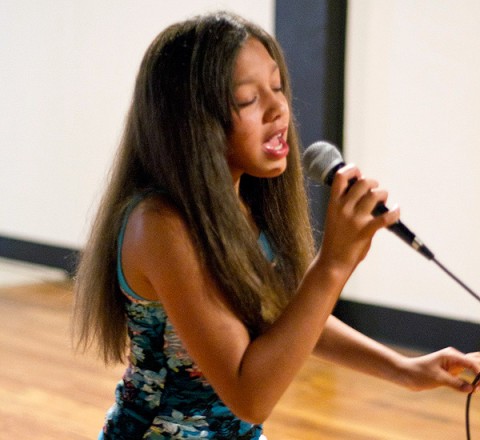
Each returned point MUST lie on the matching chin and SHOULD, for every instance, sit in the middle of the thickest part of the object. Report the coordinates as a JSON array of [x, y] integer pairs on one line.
[[272, 173]]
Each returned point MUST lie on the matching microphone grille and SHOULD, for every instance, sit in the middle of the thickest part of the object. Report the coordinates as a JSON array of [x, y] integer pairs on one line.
[[319, 159]]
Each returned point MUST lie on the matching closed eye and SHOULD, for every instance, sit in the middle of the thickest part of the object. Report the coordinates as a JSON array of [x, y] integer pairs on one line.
[[242, 103], [246, 103]]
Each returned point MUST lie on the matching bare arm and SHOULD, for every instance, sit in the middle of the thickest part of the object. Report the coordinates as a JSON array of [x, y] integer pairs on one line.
[[250, 375], [345, 346]]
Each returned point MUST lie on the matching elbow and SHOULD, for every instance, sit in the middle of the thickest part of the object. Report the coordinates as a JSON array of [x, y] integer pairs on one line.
[[251, 416], [254, 410]]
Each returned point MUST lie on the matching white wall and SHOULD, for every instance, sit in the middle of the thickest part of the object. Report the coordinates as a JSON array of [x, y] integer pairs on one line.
[[412, 122], [413, 97], [66, 78]]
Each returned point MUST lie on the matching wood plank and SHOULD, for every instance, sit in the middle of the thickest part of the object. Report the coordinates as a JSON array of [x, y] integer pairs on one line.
[[47, 392]]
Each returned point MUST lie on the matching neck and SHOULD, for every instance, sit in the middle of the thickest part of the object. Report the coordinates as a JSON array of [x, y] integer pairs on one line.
[[249, 217], [236, 184], [244, 206]]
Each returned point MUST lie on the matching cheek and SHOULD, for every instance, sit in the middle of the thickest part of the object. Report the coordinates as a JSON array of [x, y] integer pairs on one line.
[[245, 127], [237, 147]]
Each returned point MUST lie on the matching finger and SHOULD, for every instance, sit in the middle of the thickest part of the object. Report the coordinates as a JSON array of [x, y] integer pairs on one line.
[[369, 202], [387, 219], [457, 365], [371, 199], [456, 383], [471, 363], [344, 178], [360, 198], [475, 358], [363, 188], [457, 360]]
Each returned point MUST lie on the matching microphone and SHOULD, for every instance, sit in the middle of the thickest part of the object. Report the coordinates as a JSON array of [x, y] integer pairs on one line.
[[322, 160]]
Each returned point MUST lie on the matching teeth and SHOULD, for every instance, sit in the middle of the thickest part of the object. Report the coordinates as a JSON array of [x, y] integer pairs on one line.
[[275, 143]]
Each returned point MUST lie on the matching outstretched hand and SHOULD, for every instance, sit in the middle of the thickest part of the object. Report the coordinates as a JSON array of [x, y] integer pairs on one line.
[[442, 368]]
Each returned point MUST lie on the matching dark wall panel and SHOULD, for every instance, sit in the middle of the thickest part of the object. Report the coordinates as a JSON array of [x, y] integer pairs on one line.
[[312, 34]]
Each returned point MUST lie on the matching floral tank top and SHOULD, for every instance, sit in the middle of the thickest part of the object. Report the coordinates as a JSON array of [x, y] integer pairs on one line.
[[163, 394]]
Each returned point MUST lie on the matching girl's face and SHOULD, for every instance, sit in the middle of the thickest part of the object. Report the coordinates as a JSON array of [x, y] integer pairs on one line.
[[257, 142]]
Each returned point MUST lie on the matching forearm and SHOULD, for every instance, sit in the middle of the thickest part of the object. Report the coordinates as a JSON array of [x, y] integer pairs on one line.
[[343, 345], [273, 359]]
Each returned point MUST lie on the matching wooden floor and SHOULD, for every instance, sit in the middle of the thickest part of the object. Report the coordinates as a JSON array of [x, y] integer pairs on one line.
[[48, 393]]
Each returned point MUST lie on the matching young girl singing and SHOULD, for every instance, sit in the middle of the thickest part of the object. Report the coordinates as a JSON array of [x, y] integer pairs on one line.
[[200, 263]]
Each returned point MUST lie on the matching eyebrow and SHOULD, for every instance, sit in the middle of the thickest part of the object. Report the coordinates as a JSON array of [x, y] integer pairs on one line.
[[251, 80]]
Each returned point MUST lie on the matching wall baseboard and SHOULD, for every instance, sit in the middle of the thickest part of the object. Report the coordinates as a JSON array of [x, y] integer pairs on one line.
[[392, 326], [409, 329], [37, 253]]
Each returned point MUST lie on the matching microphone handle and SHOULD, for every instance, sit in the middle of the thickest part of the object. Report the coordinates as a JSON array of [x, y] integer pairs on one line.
[[403, 232]]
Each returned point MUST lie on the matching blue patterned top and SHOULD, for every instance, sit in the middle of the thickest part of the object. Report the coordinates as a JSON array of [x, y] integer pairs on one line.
[[163, 394]]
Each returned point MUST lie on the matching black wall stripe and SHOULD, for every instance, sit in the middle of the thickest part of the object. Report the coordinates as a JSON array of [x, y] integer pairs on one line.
[[409, 329], [37, 253], [388, 325], [312, 35]]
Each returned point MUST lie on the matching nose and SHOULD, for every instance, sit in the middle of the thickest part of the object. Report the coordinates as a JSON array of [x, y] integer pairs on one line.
[[276, 107]]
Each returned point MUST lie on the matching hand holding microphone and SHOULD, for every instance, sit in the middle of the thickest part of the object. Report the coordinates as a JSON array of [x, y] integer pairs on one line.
[[349, 224], [322, 161]]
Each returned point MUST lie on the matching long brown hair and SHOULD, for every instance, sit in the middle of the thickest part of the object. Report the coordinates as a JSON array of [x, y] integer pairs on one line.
[[175, 139]]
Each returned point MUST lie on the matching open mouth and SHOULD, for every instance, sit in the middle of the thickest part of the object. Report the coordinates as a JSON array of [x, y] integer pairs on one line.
[[275, 143], [276, 146]]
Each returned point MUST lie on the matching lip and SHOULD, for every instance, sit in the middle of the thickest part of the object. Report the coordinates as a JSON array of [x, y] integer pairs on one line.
[[276, 146], [278, 132]]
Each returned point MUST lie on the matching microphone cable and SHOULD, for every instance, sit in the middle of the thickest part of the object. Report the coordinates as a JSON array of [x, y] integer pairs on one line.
[[467, 409], [477, 378], [449, 273]]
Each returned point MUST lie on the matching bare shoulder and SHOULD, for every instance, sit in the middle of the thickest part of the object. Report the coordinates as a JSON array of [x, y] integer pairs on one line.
[[156, 219], [157, 248]]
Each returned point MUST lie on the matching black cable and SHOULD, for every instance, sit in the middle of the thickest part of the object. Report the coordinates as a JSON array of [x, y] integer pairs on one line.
[[470, 291], [467, 410], [477, 378]]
